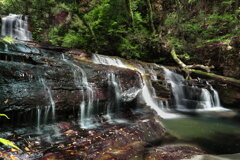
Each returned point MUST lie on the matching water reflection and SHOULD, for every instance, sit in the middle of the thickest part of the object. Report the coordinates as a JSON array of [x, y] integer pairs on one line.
[[216, 133]]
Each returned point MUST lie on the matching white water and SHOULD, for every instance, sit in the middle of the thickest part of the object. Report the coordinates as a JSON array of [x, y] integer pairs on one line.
[[52, 103], [208, 99], [113, 82], [216, 98], [86, 105], [111, 61], [114, 97], [46, 112], [38, 119], [148, 92], [16, 26]]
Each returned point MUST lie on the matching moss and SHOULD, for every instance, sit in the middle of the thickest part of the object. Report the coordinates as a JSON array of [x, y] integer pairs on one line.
[[217, 77]]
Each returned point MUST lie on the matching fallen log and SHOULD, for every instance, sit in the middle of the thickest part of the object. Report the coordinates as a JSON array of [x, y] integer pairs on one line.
[[192, 69], [224, 79], [183, 65]]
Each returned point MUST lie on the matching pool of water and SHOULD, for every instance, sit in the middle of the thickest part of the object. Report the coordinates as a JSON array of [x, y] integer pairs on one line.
[[214, 132]]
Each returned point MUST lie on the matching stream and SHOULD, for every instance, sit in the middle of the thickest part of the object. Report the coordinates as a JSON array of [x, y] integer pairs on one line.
[[65, 106], [216, 133]]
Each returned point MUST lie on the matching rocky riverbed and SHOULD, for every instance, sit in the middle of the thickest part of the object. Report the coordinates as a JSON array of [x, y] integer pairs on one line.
[[46, 92]]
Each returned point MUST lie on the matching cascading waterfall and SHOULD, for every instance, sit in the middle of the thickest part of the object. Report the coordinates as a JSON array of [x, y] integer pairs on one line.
[[113, 82], [16, 26], [81, 82], [192, 97], [52, 103], [113, 104], [148, 92], [101, 59], [186, 97], [149, 70], [216, 98]]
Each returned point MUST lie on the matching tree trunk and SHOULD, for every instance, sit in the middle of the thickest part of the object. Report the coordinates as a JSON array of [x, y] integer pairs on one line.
[[236, 4], [189, 69], [81, 16], [176, 59], [150, 16], [90, 30], [224, 79], [130, 12]]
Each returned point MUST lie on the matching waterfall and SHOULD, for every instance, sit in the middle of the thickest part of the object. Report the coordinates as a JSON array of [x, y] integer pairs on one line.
[[185, 97], [216, 98], [86, 106], [46, 88], [114, 101], [192, 97], [113, 83], [38, 118], [111, 61], [148, 92], [16, 26]]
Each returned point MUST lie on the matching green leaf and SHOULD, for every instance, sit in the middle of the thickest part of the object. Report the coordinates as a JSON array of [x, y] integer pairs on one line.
[[8, 143], [4, 115], [9, 40]]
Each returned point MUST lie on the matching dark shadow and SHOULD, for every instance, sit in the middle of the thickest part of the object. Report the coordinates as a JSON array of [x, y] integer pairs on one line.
[[220, 143]]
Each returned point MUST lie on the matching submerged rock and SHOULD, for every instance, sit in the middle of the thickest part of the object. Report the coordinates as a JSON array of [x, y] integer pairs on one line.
[[212, 157], [173, 152]]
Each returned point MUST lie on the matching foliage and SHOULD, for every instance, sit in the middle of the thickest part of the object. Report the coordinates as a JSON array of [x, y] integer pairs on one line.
[[102, 26], [7, 142], [4, 115], [106, 26], [7, 39], [206, 22]]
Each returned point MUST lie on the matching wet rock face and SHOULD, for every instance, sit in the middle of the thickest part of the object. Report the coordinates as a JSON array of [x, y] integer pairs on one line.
[[230, 95], [118, 142], [23, 67], [162, 89], [132, 141], [126, 142]]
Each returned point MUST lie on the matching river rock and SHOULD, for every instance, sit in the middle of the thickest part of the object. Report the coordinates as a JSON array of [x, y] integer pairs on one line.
[[29, 75], [127, 142], [117, 141], [173, 152]]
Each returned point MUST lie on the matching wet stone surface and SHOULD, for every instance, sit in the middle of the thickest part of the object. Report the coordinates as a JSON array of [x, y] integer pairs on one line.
[[173, 152], [20, 82], [68, 141]]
